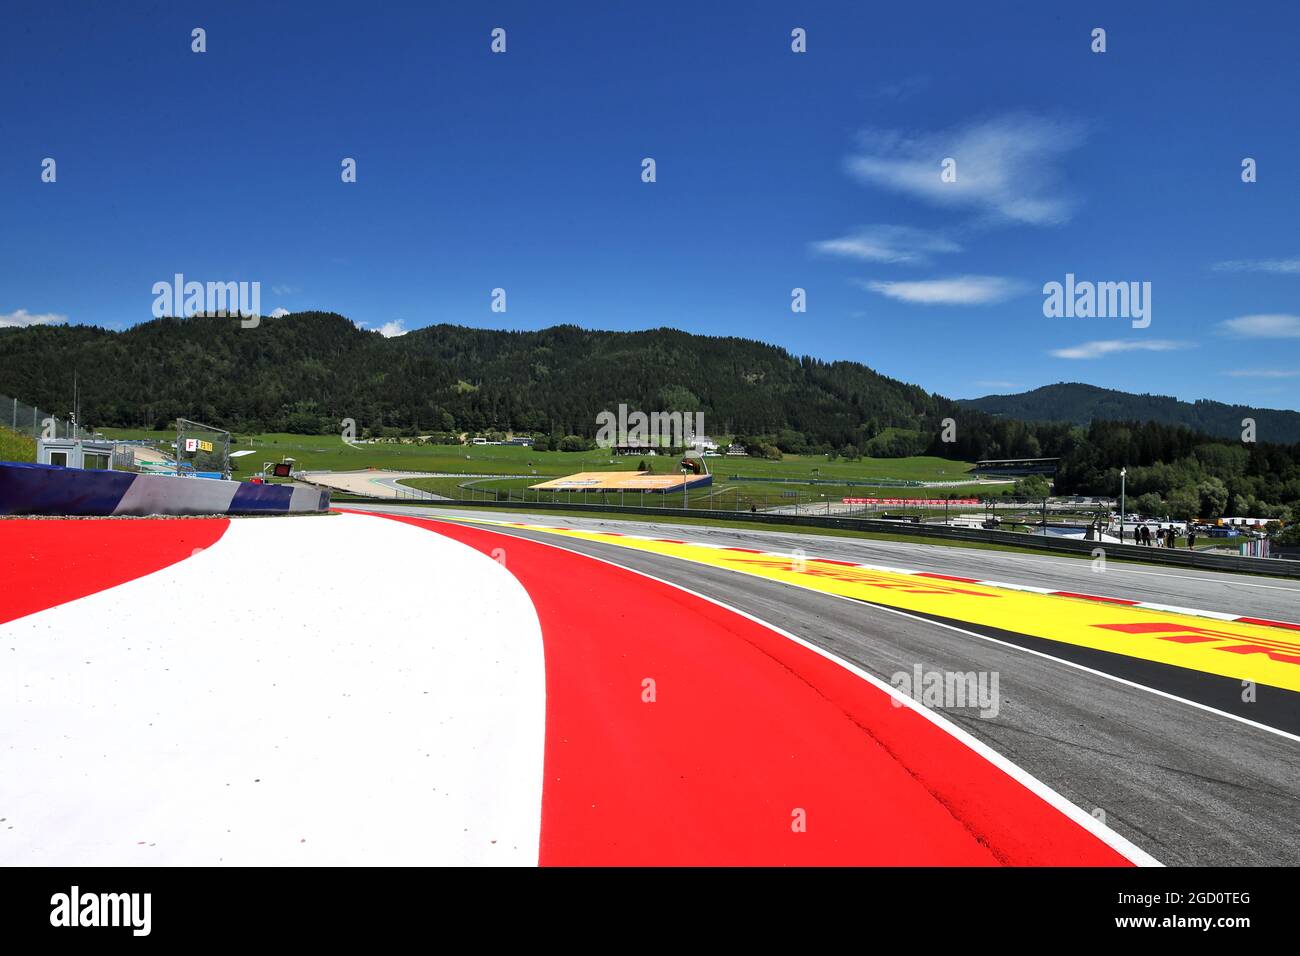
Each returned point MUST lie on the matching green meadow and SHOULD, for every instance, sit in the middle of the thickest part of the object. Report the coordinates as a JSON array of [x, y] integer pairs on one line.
[[16, 447], [724, 494], [738, 484]]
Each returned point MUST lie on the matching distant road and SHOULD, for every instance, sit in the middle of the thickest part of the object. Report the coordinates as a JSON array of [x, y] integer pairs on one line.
[[378, 484], [145, 455]]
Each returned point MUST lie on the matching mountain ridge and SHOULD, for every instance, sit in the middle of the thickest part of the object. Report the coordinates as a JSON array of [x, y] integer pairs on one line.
[[306, 371], [1078, 403]]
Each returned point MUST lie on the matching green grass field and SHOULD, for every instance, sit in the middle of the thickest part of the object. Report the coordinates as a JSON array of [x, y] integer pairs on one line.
[[329, 453], [16, 447], [722, 495], [919, 468], [326, 452]]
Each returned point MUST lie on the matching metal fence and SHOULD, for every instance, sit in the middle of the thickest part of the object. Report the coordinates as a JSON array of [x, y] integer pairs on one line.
[[204, 448], [39, 424], [35, 423], [407, 493], [1016, 511], [123, 458]]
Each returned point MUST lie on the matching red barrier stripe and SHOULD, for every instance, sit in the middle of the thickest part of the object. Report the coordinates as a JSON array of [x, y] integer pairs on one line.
[[947, 577], [1267, 623], [1093, 597], [52, 561], [748, 729]]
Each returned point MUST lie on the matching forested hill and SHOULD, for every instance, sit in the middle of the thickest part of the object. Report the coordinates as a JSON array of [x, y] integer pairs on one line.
[[306, 371], [1080, 404]]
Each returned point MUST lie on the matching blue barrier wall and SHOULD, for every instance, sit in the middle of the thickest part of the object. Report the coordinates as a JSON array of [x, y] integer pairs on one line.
[[28, 489]]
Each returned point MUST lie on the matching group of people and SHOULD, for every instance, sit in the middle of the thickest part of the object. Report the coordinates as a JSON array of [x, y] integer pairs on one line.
[[1161, 537]]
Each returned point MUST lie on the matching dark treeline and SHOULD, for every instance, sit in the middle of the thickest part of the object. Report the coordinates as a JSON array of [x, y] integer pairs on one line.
[[1172, 470], [305, 373]]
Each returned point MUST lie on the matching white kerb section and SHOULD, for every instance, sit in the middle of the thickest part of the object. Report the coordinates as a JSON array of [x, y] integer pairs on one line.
[[332, 690]]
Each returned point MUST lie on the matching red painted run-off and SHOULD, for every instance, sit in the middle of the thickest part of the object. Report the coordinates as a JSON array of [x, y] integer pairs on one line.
[[748, 728], [45, 562]]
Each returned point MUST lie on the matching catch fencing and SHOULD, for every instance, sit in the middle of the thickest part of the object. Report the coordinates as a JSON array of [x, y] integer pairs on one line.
[[36, 423]]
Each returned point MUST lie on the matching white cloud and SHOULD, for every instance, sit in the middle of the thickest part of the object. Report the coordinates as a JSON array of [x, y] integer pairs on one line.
[[891, 244], [1259, 265], [1099, 349], [1008, 166], [279, 312], [22, 318], [285, 289], [389, 330], [958, 290], [1263, 373], [1276, 326]]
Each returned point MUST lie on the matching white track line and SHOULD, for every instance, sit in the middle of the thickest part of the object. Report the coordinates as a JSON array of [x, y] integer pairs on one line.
[[1188, 577]]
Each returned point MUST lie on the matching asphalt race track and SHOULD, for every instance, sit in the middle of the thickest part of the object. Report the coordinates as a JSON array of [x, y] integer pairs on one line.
[[1214, 591], [1172, 759]]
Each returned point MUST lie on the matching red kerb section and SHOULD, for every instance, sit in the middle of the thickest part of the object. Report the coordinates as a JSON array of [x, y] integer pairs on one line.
[[46, 562], [755, 749]]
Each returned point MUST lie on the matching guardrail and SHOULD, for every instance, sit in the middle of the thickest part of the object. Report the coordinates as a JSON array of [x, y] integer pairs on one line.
[[407, 493], [839, 482], [1274, 567]]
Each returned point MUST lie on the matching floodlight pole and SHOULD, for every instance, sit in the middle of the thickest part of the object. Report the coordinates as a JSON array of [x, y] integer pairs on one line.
[[1122, 473]]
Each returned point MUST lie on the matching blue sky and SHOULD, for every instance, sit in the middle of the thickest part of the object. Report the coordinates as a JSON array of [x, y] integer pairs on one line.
[[775, 170]]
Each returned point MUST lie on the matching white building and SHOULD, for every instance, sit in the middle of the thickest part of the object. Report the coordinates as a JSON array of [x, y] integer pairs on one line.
[[75, 453]]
